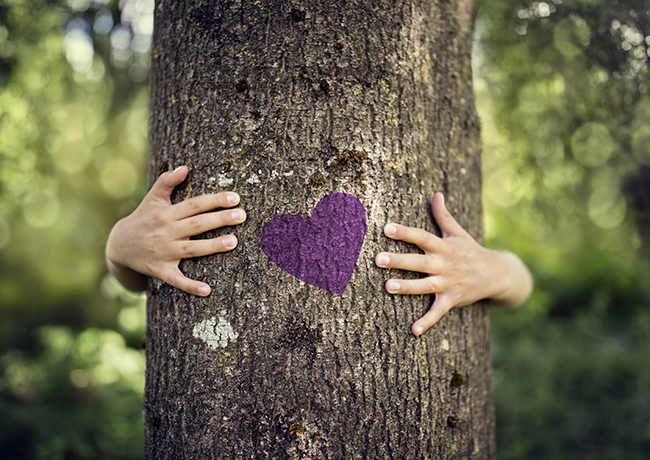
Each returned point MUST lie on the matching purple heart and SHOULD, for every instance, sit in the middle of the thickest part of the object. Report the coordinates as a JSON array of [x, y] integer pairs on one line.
[[323, 250]]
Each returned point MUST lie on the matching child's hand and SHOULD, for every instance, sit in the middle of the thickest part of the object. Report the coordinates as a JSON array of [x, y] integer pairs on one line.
[[156, 236], [460, 270]]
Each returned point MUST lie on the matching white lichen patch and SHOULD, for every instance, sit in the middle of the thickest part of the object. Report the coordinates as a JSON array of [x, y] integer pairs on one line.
[[445, 344], [216, 334], [288, 174], [254, 179], [224, 181]]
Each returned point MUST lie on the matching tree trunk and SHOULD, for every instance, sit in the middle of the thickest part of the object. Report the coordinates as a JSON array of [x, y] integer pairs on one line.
[[287, 103]]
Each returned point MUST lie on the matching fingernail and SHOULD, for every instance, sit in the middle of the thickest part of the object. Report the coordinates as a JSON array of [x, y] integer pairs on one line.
[[203, 290], [237, 215], [392, 286], [382, 260], [390, 230], [177, 168], [233, 198], [418, 330], [229, 241]]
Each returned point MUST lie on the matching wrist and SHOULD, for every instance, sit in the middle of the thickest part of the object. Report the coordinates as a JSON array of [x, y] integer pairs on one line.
[[519, 284], [129, 278], [502, 284]]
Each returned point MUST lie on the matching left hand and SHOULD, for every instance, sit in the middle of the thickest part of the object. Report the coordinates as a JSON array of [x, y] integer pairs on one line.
[[460, 271], [153, 239]]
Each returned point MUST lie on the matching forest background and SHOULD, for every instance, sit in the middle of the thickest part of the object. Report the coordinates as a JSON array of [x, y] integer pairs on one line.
[[562, 90]]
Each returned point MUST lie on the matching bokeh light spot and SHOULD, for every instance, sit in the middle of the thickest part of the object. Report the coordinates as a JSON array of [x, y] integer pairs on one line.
[[502, 188], [79, 50], [592, 144], [119, 178], [42, 210], [132, 319], [641, 145], [79, 378], [103, 22], [607, 208]]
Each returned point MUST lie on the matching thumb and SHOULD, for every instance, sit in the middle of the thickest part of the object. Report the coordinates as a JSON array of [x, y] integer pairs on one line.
[[440, 306], [444, 219], [163, 187]]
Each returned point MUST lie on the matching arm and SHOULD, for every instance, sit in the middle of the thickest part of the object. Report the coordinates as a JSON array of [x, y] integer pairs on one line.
[[156, 236], [520, 284], [460, 270]]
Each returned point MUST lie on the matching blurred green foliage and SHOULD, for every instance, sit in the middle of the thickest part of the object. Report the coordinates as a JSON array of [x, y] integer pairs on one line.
[[73, 132], [562, 92]]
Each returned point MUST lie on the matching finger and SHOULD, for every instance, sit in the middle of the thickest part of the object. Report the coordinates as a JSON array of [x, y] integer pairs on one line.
[[428, 285], [412, 262], [421, 238], [198, 248], [448, 225], [163, 187], [204, 203], [176, 278], [209, 221], [441, 306]]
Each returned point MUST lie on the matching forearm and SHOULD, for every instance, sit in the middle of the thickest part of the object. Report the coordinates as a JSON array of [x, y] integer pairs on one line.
[[130, 279], [520, 283]]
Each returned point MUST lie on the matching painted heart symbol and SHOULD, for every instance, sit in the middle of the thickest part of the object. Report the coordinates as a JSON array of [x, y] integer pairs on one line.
[[323, 250]]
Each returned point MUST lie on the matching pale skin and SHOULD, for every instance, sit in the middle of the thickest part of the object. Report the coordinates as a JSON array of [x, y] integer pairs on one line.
[[153, 240], [460, 271]]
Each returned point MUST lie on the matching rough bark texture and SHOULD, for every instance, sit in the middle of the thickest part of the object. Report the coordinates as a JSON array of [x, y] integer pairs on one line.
[[286, 102]]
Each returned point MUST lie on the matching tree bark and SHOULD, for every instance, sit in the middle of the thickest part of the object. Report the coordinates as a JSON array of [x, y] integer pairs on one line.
[[285, 103]]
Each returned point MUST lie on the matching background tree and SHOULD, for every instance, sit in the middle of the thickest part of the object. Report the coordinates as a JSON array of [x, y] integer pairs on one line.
[[286, 103]]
